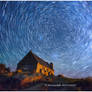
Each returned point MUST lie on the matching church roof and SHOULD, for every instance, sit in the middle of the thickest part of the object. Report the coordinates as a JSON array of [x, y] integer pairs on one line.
[[41, 61], [38, 59]]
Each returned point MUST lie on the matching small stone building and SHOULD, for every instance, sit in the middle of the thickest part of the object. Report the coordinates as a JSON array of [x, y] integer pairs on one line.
[[33, 64]]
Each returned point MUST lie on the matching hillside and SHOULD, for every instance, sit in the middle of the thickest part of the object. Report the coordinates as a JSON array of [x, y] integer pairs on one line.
[[41, 82]]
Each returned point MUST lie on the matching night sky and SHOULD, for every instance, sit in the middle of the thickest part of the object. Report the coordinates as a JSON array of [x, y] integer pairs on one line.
[[58, 32]]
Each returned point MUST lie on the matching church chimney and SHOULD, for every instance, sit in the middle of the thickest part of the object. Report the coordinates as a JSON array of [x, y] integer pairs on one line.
[[51, 65]]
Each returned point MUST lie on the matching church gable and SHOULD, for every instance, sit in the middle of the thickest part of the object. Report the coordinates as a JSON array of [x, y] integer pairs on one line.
[[28, 63], [28, 59]]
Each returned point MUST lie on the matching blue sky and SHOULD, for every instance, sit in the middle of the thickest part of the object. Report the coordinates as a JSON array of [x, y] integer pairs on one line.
[[58, 32]]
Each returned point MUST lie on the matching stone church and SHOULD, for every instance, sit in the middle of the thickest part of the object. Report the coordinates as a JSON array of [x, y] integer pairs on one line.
[[33, 64]]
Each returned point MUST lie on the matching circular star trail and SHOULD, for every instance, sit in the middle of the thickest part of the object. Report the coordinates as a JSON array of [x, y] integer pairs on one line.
[[58, 32]]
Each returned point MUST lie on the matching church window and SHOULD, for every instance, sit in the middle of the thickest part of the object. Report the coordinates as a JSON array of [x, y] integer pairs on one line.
[[40, 70]]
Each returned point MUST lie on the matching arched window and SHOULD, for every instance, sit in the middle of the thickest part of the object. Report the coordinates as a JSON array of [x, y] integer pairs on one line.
[[40, 70], [49, 73]]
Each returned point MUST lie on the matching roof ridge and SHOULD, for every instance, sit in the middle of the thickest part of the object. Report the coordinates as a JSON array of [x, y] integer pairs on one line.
[[40, 60]]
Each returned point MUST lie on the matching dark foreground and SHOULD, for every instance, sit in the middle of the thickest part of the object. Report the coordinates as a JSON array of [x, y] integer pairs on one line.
[[42, 83]]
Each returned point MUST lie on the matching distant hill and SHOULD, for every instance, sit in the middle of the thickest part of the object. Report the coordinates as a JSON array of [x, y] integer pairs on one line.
[[63, 79]]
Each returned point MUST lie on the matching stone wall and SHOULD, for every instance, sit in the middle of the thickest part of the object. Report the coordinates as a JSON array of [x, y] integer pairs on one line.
[[44, 70]]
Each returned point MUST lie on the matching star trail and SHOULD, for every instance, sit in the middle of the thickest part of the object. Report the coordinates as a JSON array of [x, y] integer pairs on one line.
[[58, 32]]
